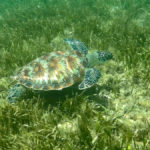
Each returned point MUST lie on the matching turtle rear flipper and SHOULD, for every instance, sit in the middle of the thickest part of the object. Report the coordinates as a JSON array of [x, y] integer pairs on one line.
[[77, 45], [92, 76], [16, 92]]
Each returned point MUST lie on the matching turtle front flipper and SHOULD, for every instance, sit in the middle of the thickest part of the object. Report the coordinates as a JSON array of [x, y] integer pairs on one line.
[[16, 92], [77, 45], [92, 76]]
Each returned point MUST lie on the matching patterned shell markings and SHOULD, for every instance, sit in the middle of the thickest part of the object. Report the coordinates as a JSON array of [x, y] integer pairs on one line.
[[53, 71]]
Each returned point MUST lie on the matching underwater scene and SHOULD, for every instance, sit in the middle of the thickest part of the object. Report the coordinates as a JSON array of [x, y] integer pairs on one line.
[[75, 75]]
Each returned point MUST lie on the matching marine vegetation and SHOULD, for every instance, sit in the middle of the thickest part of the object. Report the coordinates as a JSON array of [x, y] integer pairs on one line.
[[114, 113]]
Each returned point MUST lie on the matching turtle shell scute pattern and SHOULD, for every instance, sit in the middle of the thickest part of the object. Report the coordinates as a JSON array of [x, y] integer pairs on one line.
[[54, 71]]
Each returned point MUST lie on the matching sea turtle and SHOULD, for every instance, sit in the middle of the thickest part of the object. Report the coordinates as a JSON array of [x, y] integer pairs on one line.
[[60, 69]]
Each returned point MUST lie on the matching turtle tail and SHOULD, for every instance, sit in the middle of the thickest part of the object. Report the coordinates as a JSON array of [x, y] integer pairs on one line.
[[16, 92]]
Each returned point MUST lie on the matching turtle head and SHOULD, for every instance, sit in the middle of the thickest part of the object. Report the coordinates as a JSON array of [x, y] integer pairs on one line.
[[97, 58], [104, 56]]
